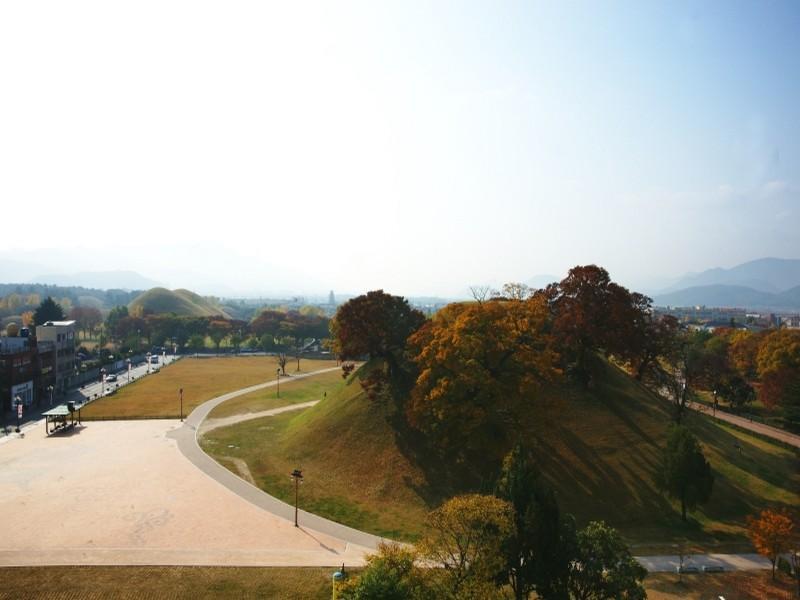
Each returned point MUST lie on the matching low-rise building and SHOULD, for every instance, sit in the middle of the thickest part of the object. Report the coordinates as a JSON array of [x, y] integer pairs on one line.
[[62, 335], [18, 368]]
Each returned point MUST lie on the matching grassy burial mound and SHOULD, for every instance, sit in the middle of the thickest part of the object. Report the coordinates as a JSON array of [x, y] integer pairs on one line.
[[201, 379], [183, 303], [598, 448]]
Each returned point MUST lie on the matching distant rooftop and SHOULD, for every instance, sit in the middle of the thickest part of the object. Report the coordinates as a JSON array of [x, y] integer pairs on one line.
[[58, 324]]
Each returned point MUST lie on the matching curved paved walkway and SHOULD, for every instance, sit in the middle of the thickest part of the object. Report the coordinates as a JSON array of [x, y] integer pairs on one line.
[[773, 432], [186, 437], [210, 424]]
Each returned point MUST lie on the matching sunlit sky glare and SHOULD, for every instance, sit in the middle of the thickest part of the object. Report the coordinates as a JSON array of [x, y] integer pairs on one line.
[[417, 147]]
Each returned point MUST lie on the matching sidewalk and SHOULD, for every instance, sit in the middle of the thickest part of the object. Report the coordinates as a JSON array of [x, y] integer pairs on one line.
[[773, 432]]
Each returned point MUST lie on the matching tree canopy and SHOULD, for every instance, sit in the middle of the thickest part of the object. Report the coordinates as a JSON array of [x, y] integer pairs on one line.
[[476, 361], [375, 324], [684, 473], [48, 310]]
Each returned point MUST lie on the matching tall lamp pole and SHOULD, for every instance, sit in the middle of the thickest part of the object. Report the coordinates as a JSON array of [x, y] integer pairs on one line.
[[279, 382], [297, 475], [181, 394], [18, 402]]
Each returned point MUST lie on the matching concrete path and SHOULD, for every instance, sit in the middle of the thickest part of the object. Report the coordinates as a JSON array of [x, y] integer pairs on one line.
[[187, 435], [210, 424], [729, 562], [778, 434]]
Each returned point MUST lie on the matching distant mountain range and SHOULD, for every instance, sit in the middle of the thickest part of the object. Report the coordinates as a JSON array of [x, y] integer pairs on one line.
[[766, 283], [107, 280], [772, 275]]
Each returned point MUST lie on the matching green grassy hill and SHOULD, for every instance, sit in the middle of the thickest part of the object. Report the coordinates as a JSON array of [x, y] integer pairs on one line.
[[181, 302], [598, 448]]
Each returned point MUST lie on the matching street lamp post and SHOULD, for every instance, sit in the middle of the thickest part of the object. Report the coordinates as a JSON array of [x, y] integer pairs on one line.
[[129, 370], [102, 381], [297, 475], [181, 394], [147, 356], [279, 382], [50, 389], [18, 403]]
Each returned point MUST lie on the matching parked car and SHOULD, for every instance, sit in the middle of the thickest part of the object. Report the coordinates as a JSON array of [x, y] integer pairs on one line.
[[686, 569], [111, 377]]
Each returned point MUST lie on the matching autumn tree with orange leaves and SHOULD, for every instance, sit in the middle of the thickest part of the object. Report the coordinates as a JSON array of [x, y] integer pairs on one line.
[[779, 369], [477, 361], [772, 533]]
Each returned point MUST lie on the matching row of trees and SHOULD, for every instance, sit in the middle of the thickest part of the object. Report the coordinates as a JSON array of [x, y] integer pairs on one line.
[[736, 366], [267, 331], [517, 539], [471, 367]]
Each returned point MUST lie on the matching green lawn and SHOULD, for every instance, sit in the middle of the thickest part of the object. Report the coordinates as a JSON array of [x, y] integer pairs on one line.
[[598, 449], [293, 391], [201, 379]]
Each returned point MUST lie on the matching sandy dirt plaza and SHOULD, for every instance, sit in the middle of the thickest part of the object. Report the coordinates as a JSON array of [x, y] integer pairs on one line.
[[120, 492]]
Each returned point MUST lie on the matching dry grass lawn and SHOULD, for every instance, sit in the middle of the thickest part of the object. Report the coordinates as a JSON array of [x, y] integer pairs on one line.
[[135, 583], [201, 379], [742, 585], [138, 583]]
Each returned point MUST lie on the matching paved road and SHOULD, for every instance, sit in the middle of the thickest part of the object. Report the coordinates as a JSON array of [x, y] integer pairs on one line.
[[32, 417], [186, 436], [773, 432]]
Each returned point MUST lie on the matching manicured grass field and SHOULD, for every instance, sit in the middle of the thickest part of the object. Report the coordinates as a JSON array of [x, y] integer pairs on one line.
[[201, 379], [293, 391], [136, 583], [598, 449]]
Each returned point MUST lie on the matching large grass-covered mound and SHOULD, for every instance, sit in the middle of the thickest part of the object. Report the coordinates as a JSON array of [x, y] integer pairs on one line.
[[181, 302], [599, 448]]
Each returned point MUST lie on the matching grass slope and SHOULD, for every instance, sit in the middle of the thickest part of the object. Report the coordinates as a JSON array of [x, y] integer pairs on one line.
[[183, 303], [201, 379], [599, 449], [293, 391]]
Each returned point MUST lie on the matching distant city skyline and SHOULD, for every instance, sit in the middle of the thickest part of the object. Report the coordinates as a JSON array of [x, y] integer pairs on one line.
[[419, 148]]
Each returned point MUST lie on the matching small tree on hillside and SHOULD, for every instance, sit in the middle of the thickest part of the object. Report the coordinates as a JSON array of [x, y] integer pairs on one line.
[[772, 533], [603, 568], [48, 310], [539, 551], [465, 538], [390, 574], [684, 473]]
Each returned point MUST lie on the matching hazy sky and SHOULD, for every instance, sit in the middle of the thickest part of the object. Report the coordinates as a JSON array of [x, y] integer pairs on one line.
[[418, 147]]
